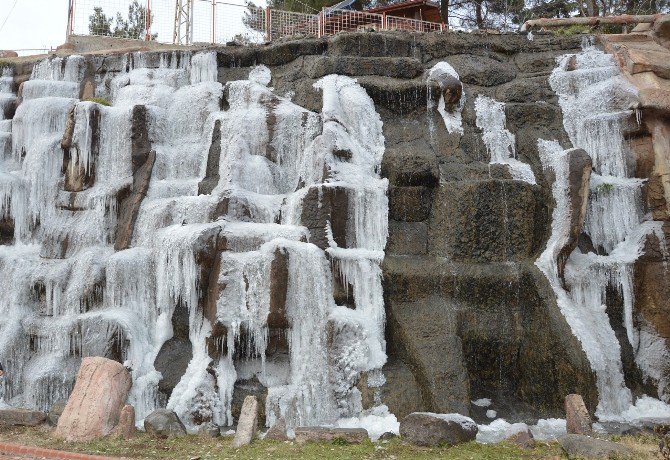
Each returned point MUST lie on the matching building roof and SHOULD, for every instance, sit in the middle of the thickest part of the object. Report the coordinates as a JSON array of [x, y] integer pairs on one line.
[[403, 5]]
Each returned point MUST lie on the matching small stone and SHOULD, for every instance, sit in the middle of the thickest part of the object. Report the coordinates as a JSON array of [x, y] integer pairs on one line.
[[126, 428], [387, 436], [278, 431], [247, 424], [21, 417], [586, 447], [578, 420], [55, 412], [164, 423], [523, 439], [429, 429], [326, 434]]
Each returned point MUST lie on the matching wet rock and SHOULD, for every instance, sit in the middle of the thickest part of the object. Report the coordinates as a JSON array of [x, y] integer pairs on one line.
[[357, 66], [278, 431], [211, 178], [579, 175], [21, 417], [371, 44], [164, 423], [325, 434], [322, 205], [579, 446], [247, 423], [401, 393], [55, 412], [171, 362], [407, 238], [142, 163], [409, 204], [244, 389], [410, 167], [481, 71], [126, 427], [578, 420], [94, 407], [450, 87], [429, 429]]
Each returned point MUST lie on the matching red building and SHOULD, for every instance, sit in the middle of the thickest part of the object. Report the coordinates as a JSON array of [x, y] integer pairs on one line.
[[421, 10]]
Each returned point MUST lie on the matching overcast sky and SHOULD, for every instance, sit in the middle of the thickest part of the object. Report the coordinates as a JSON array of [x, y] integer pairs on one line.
[[41, 24], [32, 23]]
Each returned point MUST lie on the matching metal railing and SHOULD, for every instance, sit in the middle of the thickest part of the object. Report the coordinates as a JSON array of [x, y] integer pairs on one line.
[[217, 22]]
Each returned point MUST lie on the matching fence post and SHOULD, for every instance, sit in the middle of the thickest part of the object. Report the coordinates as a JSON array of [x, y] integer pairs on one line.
[[268, 24], [70, 19], [147, 22], [213, 21], [322, 26]]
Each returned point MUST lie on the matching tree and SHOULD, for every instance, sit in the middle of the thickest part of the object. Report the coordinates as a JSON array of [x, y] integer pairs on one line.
[[132, 26]]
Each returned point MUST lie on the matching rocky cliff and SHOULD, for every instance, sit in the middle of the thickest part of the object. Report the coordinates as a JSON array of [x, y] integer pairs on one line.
[[339, 224]]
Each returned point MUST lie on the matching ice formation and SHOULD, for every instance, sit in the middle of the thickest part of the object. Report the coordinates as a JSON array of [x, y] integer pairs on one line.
[[499, 141], [452, 120], [597, 106], [70, 294]]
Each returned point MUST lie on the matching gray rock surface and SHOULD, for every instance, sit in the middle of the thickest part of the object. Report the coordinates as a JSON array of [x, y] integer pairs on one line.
[[429, 429], [585, 447], [278, 431], [164, 423], [21, 417], [326, 434]]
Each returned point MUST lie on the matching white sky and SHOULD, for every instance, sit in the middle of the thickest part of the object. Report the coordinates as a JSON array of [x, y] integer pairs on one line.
[[33, 23], [41, 24]]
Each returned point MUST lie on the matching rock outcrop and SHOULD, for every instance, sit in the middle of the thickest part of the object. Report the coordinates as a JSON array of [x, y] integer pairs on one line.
[[94, 407], [429, 429], [164, 423]]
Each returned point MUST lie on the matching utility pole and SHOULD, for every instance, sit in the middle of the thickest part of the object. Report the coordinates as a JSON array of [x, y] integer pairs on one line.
[[183, 25]]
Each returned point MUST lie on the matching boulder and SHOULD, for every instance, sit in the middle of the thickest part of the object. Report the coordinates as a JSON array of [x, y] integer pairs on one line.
[[429, 429], [94, 407], [578, 420], [325, 434], [520, 434], [21, 417], [247, 423], [164, 423], [55, 412], [579, 446], [278, 431], [126, 427], [579, 175]]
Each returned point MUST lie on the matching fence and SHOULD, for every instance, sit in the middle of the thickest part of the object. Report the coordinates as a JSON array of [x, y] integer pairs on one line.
[[217, 22]]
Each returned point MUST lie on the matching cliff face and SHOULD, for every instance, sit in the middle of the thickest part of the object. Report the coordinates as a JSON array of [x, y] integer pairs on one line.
[[254, 220]]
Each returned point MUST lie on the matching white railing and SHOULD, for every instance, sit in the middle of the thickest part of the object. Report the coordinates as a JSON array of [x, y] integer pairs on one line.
[[218, 22]]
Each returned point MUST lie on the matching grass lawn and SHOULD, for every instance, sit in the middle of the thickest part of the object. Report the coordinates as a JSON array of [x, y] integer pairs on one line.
[[201, 448]]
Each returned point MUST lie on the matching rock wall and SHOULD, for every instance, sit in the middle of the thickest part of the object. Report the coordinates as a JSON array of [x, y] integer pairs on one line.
[[469, 316]]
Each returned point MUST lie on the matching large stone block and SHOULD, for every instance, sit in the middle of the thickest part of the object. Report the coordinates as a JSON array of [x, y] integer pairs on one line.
[[325, 434], [369, 44], [407, 238], [94, 407], [488, 220], [429, 429], [410, 167], [21, 417], [482, 71], [410, 204], [358, 66]]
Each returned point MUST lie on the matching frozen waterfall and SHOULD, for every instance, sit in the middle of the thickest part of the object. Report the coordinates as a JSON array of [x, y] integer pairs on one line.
[[186, 193]]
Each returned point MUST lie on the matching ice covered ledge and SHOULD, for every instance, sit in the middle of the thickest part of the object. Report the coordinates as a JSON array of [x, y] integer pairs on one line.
[[644, 58]]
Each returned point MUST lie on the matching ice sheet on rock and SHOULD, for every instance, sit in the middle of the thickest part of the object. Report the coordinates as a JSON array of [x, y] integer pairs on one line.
[[204, 67], [250, 236], [376, 421], [499, 141], [452, 120], [482, 402], [261, 75]]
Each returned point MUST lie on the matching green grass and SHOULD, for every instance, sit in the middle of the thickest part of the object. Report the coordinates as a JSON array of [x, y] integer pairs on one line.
[[100, 100], [604, 187], [189, 447]]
